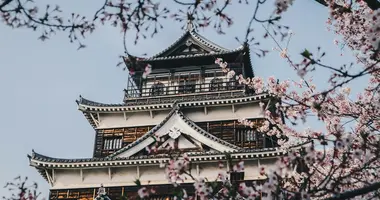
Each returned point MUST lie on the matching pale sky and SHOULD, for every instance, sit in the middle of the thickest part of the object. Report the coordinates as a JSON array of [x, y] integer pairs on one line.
[[40, 81]]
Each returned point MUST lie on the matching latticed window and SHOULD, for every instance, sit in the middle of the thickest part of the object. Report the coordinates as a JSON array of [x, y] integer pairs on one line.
[[157, 89], [235, 133], [245, 135], [250, 136], [112, 143], [216, 84]]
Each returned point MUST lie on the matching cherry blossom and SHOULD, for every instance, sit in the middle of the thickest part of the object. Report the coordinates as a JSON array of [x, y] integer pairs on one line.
[[341, 156]]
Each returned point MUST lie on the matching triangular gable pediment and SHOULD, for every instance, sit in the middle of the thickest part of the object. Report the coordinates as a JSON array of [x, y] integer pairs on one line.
[[182, 143], [177, 126], [190, 43]]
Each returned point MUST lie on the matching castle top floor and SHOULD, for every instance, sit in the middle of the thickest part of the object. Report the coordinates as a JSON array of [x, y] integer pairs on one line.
[[186, 67]]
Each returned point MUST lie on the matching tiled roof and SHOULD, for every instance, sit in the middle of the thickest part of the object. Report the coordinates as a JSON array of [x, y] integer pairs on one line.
[[42, 162], [43, 158], [39, 157], [171, 99], [87, 106], [207, 42], [239, 49], [199, 40], [83, 101], [186, 98], [196, 37]]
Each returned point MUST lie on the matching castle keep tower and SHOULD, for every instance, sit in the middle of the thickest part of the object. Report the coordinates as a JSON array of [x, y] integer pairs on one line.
[[186, 100]]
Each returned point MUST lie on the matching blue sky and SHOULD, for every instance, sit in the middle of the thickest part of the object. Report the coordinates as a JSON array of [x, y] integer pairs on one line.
[[40, 81]]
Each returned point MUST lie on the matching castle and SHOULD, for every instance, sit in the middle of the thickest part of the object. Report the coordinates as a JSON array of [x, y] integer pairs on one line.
[[186, 100]]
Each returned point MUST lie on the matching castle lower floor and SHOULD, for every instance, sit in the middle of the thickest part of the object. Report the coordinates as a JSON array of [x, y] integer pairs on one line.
[[163, 192]]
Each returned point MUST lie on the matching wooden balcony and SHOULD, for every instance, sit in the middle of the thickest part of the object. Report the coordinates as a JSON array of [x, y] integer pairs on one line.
[[186, 91]]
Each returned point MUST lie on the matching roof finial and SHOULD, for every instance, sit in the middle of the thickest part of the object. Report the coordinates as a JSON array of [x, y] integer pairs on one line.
[[190, 25]]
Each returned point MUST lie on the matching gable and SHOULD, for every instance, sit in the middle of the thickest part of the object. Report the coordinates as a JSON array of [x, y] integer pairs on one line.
[[190, 43], [182, 143], [177, 128], [189, 49]]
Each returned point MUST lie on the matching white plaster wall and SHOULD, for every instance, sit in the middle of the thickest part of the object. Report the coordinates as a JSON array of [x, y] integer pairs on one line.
[[66, 177], [214, 113], [97, 176], [183, 143], [209, 170], [119, 176], [124, 175], [224, 112], [268, 163], [115, 120], [153, 174], [251, 169]]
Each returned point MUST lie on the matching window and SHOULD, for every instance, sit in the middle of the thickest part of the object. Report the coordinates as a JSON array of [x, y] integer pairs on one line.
[[216, 84], [246, 135], [112, 143], [157, 89], [250, 136], [236, 176], [186, 86]]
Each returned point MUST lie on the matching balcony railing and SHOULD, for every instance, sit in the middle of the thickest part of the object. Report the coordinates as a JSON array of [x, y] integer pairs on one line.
[[160, 90]]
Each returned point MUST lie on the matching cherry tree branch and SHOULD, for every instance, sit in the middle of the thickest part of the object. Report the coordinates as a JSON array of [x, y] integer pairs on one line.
[[373, 4], [6, 2], [357, 192]]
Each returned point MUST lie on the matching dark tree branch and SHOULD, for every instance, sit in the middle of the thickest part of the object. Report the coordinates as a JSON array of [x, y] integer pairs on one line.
[[373, 4], [354, 193], [322, 2], [6, 2]]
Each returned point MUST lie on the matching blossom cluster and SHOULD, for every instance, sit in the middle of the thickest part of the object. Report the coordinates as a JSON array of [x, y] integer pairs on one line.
[[343, 150], [359, 25]]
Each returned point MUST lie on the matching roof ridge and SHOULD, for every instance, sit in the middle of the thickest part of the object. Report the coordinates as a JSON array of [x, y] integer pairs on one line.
[[170, 46], [206, 41]]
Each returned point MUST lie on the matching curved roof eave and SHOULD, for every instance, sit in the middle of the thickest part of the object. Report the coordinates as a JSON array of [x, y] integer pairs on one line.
[[258, 153], [84, 103], [238, 49]]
